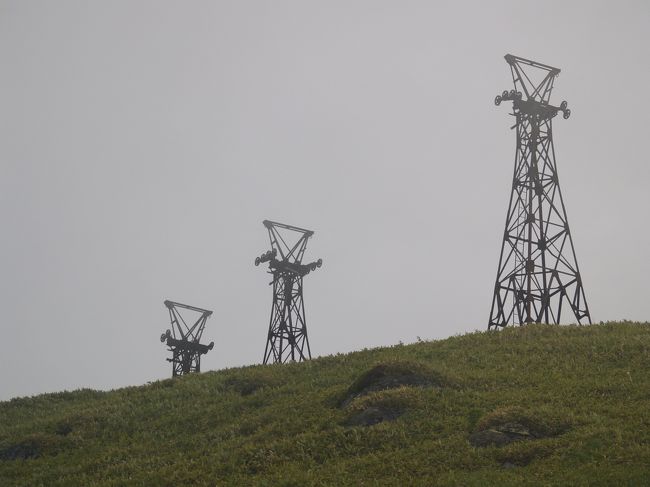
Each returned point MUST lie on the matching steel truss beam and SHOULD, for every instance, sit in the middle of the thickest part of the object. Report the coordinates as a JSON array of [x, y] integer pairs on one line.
[[287, 336], [538, 277], [184, 340]]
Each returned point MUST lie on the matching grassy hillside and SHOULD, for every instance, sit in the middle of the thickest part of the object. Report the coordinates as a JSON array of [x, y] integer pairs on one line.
[[537, 405]]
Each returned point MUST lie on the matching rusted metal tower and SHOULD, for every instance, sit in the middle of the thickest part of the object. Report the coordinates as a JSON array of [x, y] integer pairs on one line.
[[538, 275], [183, 340], [287, 336]]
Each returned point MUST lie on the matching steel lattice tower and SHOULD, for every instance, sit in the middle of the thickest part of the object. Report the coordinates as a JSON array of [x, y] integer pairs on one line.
[[538, 271], [183, 340], [287, 337]]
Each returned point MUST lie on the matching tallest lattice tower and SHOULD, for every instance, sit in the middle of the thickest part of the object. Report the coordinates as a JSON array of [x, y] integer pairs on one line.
[[538, 280]]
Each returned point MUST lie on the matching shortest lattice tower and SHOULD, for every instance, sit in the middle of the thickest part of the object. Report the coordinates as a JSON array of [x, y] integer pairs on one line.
[[538, 280], [184, 340], [287, 336]]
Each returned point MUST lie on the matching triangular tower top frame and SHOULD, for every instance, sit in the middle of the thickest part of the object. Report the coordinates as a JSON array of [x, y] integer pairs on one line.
[[180, 328], [535, 84], [282, 241]]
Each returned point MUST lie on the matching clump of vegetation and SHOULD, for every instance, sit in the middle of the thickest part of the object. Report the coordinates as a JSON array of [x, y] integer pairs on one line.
[[391, 375], [522, 453], [77, 425], [579, 393], [509, 424], [252, 380], [33, 445], [380, 406]]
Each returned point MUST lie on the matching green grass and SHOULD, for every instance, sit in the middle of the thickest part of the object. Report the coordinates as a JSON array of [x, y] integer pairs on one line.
[[584, 391]]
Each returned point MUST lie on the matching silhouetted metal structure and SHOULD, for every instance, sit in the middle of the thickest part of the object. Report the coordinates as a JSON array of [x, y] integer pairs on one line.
[[538, 271], [183, 340], [287, 337]]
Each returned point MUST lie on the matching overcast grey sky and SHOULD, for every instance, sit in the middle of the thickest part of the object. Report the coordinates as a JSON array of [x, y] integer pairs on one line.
[[143, 143]]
